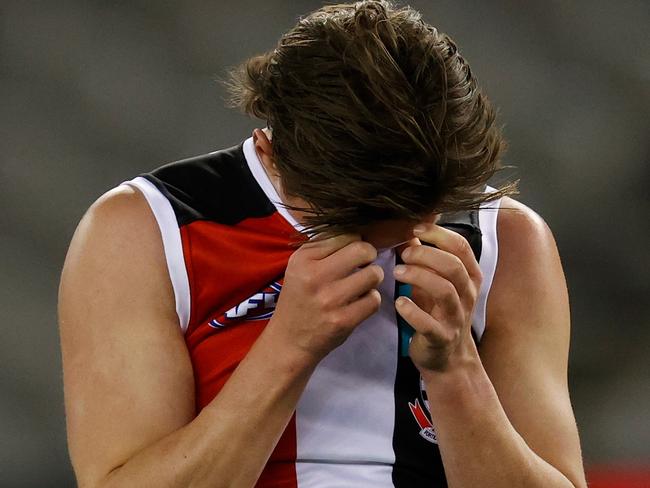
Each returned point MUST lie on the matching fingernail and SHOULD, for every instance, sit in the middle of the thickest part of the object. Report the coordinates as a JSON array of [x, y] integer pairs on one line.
[[419, 229], [399, 270], [401, 301], [406, 252]]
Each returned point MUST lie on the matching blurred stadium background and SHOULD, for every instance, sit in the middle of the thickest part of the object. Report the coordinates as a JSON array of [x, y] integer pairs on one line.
[[95, 92]]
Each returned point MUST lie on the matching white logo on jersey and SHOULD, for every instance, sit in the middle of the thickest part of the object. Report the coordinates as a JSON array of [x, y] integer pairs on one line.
[[258, 307]]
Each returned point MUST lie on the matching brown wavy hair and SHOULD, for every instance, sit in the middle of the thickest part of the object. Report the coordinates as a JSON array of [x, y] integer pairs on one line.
[[375, 115]]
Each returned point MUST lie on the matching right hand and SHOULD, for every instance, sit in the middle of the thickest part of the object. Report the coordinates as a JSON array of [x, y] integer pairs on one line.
[[329, 288]]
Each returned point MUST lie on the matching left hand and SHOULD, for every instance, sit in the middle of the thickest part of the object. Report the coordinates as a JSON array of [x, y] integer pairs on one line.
[[446, 280]]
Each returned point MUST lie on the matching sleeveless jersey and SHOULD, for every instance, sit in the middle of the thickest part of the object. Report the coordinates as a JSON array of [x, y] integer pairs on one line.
[[364, 418]]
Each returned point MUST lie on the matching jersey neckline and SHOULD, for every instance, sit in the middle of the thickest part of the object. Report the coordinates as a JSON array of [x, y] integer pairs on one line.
[[263, 180]]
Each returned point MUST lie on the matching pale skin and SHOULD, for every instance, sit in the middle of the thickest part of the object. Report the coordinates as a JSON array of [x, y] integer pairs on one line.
[[503, 414]]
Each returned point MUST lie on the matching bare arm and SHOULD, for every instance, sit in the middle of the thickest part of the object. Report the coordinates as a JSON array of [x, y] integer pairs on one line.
[[128, 380], [504, 419]]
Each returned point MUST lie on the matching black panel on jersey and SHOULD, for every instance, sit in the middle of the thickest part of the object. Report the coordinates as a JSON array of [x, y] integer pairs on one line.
[[418, 463], [218, 186], [467, 225]]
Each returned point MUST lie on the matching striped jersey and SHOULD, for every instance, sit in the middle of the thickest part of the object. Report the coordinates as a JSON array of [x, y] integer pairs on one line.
[[364, 417]]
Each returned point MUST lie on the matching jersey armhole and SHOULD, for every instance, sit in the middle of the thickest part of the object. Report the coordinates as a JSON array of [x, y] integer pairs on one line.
[[488, 261], [172, 244]]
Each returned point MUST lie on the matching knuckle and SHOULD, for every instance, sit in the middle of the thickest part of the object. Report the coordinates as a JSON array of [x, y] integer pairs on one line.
[[310, 280], [324, 300], [372, 304], [377, 272], [448, 290], [358, 247], [294, 259], [457, 269], [463, 247], [433, 339], [479, 278], [414, 254], [291, 275], [458, 266], [473, 293], [449, 337], [338, 321], [452, 336], [371, 252], [441, 338], [364, 250]]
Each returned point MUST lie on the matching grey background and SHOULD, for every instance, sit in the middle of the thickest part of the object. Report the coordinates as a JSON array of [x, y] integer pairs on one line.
[[93, 93]]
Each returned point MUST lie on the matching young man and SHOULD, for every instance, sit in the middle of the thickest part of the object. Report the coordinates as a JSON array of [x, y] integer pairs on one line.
[[267, 315]]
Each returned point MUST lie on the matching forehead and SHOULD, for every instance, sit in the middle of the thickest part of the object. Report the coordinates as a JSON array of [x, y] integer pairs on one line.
[[392, 233], [395, 225]]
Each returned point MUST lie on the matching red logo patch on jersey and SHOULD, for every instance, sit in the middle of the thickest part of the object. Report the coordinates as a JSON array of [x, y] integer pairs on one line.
[[422, 417], [258, 307], [426, 428]]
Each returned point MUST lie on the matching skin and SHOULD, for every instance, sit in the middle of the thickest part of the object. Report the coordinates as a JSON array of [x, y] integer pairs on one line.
[[502, 415]]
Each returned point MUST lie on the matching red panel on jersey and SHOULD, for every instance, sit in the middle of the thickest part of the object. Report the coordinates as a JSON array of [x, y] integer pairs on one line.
[[235, 273]]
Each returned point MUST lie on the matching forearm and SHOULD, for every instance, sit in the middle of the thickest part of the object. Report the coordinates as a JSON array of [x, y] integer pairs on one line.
[[230, 441], [478, 444]]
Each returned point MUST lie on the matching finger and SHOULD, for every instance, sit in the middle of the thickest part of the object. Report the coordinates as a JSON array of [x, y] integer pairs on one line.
[[445, 264], [362, 308], [346, 260], [320, 249], [411, 243], [357, 284], [421, 321], [452, 242], [442, 291]]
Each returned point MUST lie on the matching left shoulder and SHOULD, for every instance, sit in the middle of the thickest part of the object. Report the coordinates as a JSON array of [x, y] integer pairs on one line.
[[522, 232], [528, 268]]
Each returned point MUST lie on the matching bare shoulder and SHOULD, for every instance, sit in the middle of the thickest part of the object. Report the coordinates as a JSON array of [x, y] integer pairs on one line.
[[523, 233], [529, 270], [117, 242], [116, 217], [123, 352]]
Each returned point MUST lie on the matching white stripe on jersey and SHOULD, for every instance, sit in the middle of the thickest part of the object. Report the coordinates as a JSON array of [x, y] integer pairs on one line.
[[323, 475], [347, 410], [488, 262], [171, 238]]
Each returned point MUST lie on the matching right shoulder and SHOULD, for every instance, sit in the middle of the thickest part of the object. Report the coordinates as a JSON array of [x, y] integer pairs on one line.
[[117, 249], [123, 206], [118, 220]]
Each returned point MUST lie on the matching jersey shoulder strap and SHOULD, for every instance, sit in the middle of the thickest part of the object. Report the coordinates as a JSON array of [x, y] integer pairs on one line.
[[466, 224], [217, 186]]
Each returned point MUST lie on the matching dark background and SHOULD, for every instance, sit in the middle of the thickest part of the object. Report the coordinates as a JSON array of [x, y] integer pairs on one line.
[[93, 93]]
